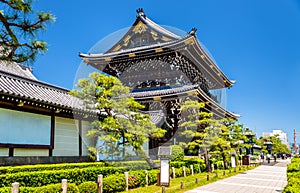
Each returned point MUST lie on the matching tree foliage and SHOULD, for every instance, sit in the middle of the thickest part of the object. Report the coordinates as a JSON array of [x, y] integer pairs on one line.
[[124, 124], [218, 137], [19, 27], [277, 146], [195, 129]]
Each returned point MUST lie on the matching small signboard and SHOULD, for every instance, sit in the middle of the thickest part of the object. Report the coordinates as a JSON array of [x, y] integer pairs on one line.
[[164, 151], [164, 172], [233, 164]]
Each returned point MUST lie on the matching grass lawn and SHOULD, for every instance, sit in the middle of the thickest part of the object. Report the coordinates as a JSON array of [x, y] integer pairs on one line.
[[189, 182]]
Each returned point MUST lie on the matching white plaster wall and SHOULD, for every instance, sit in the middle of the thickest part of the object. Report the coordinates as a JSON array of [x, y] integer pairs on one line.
[[18, 127], [86, 141], [4, 151], [30, 152], [66, 137]]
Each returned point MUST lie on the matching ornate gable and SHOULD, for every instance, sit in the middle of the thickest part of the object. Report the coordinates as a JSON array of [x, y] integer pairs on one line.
[[143, 32]]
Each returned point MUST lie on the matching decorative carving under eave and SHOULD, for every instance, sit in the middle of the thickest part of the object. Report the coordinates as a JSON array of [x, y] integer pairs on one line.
[[139, 28]]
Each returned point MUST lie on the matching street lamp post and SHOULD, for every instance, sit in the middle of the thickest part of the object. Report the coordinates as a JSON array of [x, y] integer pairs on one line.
[[269, 146], [269, 149], [249, 134]]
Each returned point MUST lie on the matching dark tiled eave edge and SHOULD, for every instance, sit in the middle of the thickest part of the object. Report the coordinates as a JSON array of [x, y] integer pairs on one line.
[[195, 51], [34, 92], [103, 56], [188, 89]]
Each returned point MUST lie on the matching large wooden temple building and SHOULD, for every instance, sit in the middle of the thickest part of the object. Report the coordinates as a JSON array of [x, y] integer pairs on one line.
[[41, 123], [162, 70]]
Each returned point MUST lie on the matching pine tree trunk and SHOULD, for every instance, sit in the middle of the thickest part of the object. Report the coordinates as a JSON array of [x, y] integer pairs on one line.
[[206, 159], [224, 161], [141, 153]]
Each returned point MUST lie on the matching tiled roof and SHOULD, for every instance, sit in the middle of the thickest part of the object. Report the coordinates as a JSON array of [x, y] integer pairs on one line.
[[164, 92], [17, 83], [17, 69]]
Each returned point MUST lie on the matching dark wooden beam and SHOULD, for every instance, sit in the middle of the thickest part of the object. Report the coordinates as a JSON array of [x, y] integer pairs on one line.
[[11, 152], [80, 137], [29, 146]]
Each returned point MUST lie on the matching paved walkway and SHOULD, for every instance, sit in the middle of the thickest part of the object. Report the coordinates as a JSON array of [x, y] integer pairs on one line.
[[263, 179]]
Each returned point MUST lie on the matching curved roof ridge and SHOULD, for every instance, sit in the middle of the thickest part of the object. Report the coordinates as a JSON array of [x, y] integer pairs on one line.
[[17, 69], [159, 28], [34, 81]]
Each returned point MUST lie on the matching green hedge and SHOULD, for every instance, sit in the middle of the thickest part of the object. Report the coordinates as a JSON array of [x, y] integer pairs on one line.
[[36, 179], [196, 162], [293, 173], [88, 187], [177, 153], [116, 182], [111, 183], [52, 188], [131, 165], [86, 176], [43, 167]]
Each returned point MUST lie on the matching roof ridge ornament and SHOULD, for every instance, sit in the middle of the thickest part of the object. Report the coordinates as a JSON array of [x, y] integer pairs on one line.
[[141, 12], [193, 31]]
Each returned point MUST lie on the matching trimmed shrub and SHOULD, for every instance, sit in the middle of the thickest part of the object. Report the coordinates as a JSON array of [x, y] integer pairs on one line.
[[77, 176], [88, 187], [152, 176], [293, 185], [22, 190], [136, 179], [177, 153], [43, 167], [132, 165], [114, 183], [190, 161], [294, 166], [52, 188], [177, 164], [293, 173]]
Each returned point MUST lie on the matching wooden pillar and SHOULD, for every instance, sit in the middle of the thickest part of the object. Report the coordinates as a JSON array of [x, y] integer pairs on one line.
[[52, 134], [181, 185], [147, 177], [126, 180], [173, 173], [11, 151], [64, 185], [100, 184], [163, 189], [80, 137], [15, 187]]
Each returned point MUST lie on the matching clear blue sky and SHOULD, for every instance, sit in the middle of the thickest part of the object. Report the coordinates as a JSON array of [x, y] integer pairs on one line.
[[254, 42]]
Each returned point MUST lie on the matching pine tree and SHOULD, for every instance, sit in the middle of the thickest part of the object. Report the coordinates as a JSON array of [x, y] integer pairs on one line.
[[121, 121], [20, 26]]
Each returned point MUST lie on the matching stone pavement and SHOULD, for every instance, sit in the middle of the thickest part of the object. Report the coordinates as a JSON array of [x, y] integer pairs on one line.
[[263, 179]]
